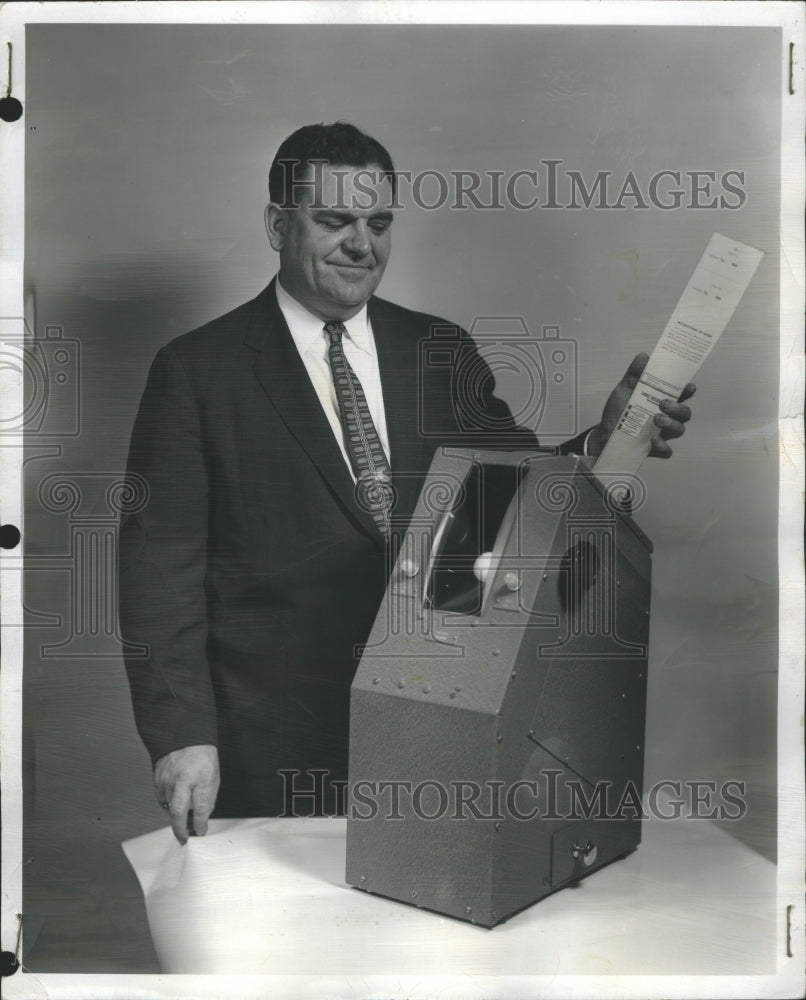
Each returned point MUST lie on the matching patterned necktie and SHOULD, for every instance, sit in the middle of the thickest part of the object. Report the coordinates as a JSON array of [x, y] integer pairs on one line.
[[370, 466]]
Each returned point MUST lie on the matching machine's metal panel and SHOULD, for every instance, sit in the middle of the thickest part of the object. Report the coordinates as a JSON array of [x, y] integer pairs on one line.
[[590, 711], [522, 858], [440, 863], [590, 718]]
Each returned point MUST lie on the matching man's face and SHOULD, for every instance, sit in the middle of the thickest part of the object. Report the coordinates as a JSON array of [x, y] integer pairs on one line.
[[335, 244]]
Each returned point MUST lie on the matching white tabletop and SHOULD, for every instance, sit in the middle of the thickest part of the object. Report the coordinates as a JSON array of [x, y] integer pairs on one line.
[[268, 896]]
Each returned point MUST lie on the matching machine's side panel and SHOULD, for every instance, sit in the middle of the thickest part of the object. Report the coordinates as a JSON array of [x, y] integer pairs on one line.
[[427, 849]]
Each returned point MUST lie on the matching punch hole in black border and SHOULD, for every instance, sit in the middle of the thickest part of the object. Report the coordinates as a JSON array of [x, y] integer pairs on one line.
[[9, 536], [10, 109], [8, 964]]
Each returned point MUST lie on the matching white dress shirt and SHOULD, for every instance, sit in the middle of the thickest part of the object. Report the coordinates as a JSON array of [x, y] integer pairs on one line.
[[308, 332]]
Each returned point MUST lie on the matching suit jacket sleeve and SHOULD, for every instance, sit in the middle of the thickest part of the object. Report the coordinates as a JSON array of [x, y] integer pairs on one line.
[[163, 554], [479, 418]]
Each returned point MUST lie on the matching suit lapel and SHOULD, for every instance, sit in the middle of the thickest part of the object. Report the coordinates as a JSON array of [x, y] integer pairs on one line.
[[284, 379]]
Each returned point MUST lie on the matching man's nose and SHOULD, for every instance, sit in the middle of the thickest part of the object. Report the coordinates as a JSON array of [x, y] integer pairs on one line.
[[356, 241]]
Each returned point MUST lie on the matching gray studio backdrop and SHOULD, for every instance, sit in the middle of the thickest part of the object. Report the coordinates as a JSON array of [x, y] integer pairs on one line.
[[146, 164]]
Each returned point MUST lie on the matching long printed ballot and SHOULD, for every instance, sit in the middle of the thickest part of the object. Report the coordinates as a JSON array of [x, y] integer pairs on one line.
[[702, 313]]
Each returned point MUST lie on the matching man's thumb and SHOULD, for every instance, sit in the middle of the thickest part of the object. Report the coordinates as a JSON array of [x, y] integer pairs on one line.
[[637, 366]]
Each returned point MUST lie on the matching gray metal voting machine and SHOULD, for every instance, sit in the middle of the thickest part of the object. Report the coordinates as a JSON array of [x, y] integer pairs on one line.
[[497, 714]]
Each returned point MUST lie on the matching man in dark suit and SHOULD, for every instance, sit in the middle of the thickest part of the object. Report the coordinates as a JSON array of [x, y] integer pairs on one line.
[[256, 568]]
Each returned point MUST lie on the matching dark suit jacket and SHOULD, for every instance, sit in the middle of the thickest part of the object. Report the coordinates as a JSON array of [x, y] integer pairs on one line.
[[251, 574]]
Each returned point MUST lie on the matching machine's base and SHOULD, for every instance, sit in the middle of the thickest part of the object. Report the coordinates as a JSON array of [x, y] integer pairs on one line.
[[572, 883]]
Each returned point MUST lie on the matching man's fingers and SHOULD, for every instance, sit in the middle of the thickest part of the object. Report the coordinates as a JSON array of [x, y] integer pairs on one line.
[[660, 448], [178, 811], [163, 794], [670, 422], [202, 801], [673, 419], [669, 429], [637, 365], [185, 779], [200, 821], [677, 411], [636, 369]]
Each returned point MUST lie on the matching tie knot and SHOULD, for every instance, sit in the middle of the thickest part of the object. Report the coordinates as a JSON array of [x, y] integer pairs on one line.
[[334, 331]]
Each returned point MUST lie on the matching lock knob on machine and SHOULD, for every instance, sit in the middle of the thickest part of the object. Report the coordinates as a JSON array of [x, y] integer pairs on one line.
[[588, 852]]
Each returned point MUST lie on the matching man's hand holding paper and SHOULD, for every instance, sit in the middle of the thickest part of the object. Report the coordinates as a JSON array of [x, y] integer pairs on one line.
[[670, 422]]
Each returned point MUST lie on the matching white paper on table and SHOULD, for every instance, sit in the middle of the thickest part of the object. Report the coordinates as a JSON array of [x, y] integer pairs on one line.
[[267, 896], [698, 320], [222, 903]]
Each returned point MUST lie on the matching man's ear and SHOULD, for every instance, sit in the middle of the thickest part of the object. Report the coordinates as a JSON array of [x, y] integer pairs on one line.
[[276, 222]]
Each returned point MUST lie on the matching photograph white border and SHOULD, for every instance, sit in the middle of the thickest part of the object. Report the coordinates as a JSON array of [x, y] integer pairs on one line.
[[789, 978]]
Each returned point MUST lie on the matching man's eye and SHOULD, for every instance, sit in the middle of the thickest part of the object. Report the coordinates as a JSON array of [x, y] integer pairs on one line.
[[379, 227], [331, 227]]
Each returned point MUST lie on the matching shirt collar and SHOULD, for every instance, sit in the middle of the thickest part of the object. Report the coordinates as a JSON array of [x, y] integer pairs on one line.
[[306, 329]]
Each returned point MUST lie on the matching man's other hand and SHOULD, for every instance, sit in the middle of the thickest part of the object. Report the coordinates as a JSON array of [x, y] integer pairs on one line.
[[670, 423], [188, 779]]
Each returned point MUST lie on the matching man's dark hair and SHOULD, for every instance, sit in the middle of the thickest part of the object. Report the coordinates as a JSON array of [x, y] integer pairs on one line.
[[340, 144]]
